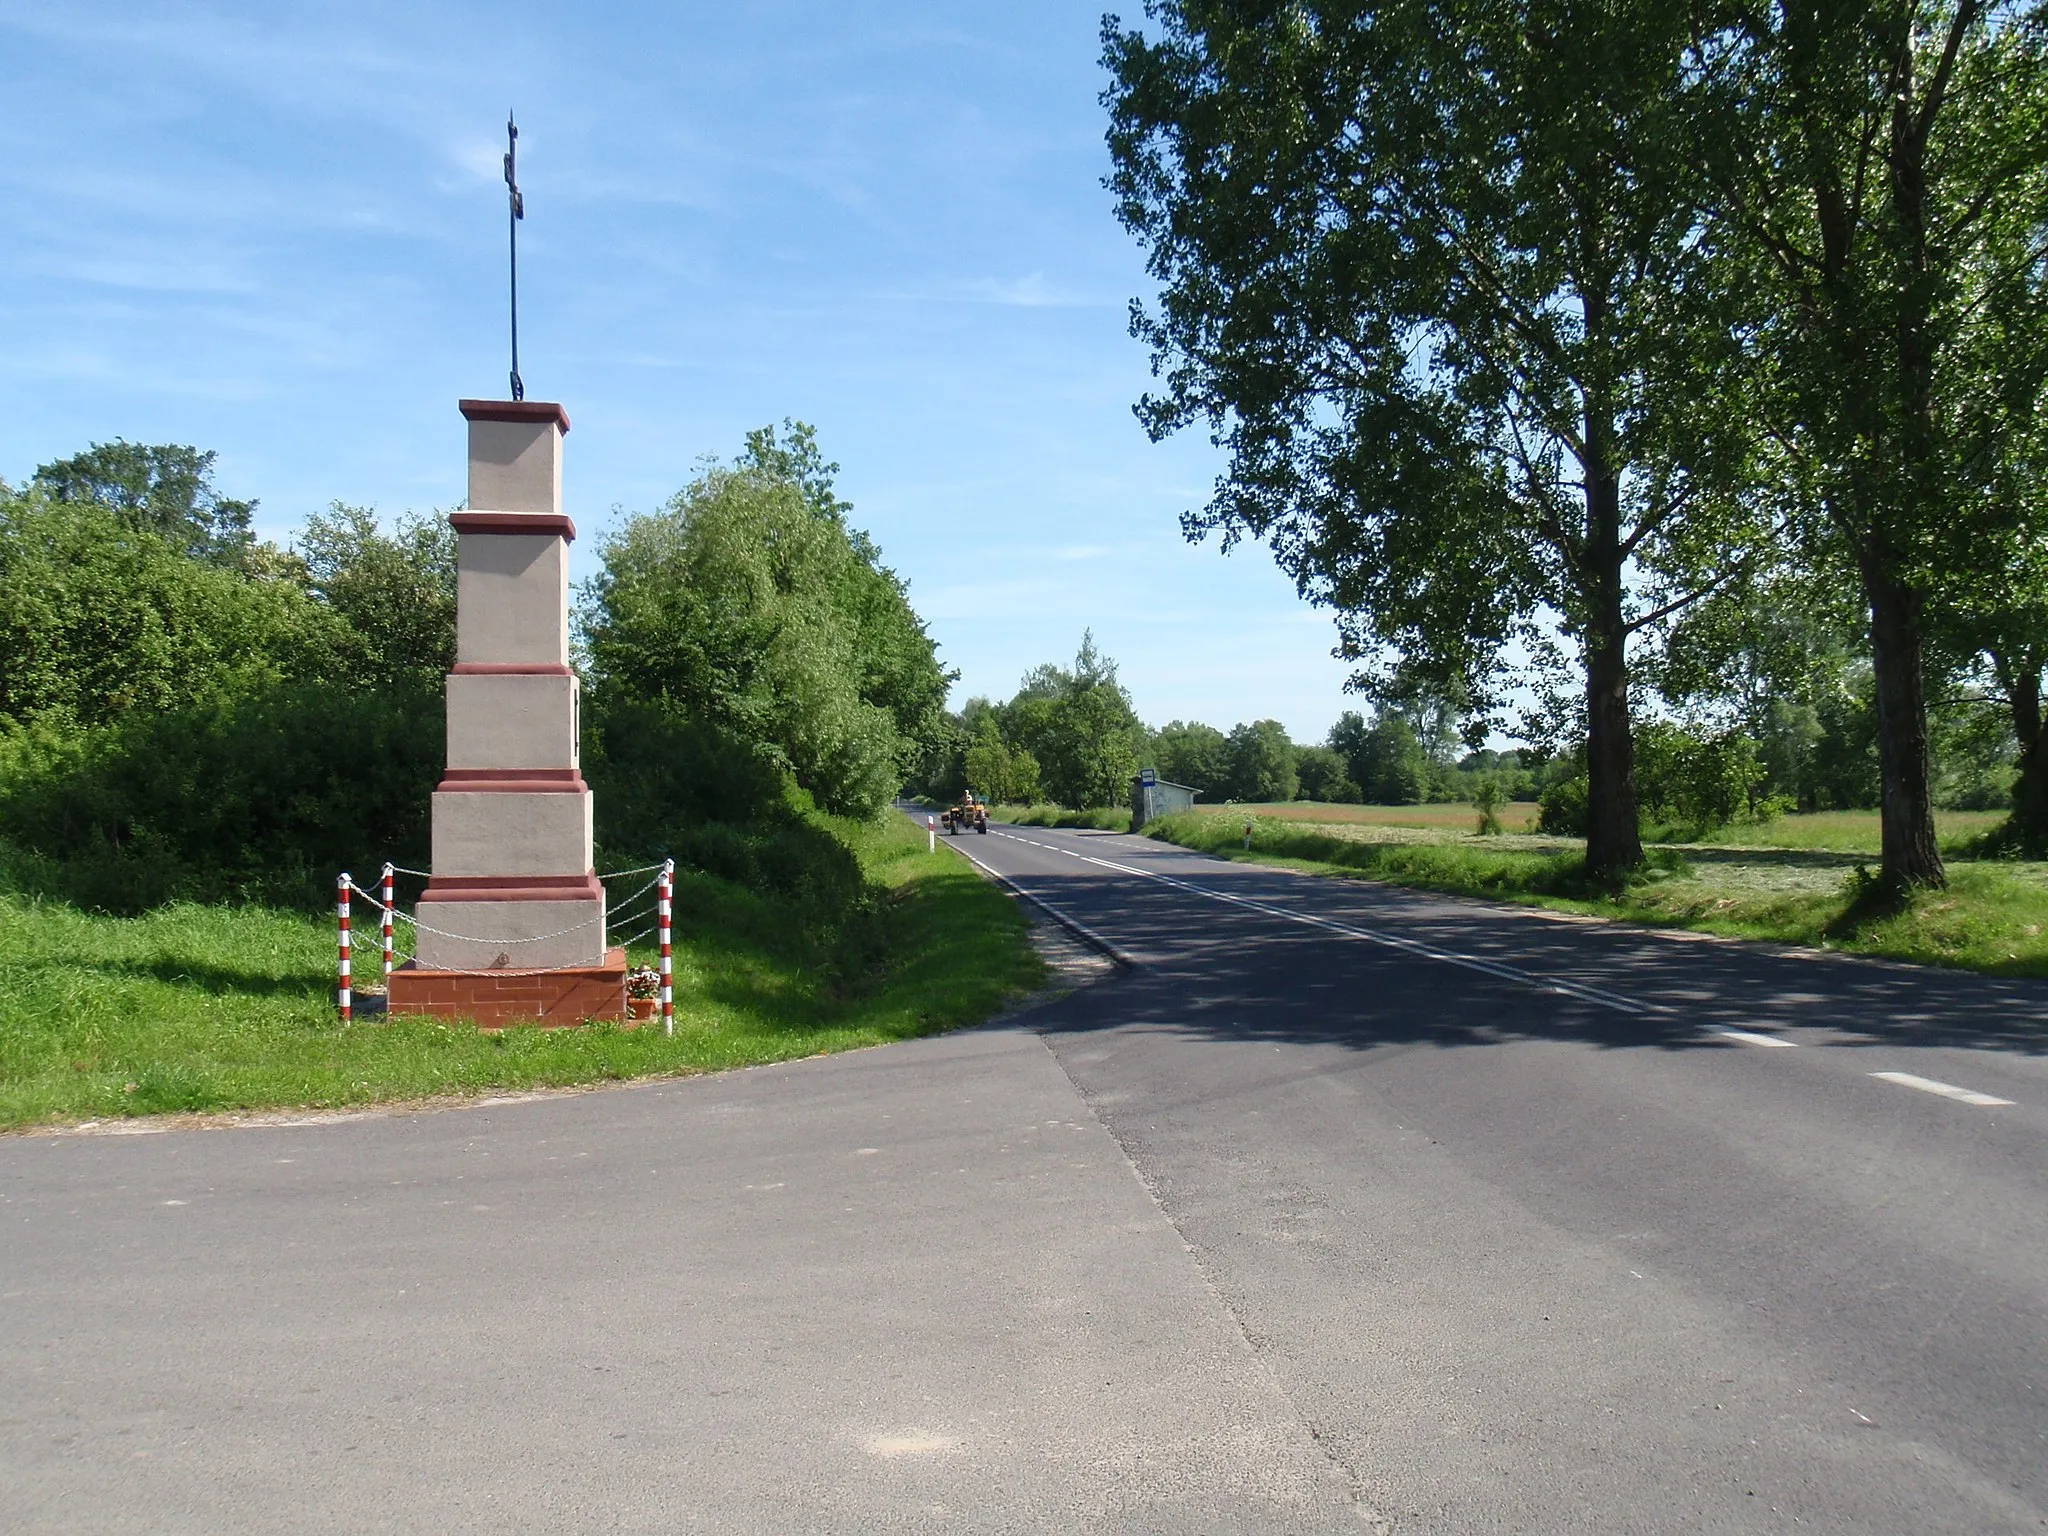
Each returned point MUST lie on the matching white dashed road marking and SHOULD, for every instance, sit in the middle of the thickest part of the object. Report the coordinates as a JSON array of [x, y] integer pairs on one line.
[[1474, 963], [1946, 1090], [1372, 936], [1750, 1037]]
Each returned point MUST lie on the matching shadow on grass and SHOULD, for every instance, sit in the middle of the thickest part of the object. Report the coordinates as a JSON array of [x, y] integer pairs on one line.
[[215, 980], [1714, 856]]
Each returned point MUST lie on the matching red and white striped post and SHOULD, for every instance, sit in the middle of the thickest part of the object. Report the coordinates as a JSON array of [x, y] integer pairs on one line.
[[341, 890], [931, 834], [387, 925], [662, 908]]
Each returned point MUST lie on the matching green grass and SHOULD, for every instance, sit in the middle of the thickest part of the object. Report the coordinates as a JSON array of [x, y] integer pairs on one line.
[[192, 1008], [1838, 831], [1991, 918], [1107, 818]]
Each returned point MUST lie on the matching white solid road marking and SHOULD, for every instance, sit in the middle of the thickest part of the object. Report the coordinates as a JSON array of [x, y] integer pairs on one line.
[[1060, 915], [1946, 1090], [1372, 936], [1750, 1037]]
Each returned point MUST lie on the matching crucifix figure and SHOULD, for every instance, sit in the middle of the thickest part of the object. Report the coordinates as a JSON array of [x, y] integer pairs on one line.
[[518, 212]]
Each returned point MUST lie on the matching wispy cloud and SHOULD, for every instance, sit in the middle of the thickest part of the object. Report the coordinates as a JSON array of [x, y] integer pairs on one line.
[[1030, 292]]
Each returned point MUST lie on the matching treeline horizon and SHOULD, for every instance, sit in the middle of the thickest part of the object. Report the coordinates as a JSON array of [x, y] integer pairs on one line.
[[1071, 735]]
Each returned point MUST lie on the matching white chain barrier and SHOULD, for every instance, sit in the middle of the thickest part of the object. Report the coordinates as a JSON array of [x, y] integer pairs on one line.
[[388, 910]]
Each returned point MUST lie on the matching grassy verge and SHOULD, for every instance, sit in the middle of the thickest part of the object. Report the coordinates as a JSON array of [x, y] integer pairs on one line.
[[1991, 918], [1109, 818], [222, 1008]]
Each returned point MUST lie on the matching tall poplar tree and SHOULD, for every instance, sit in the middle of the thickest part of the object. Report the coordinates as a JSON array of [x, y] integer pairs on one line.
[[1883, 165], [1432, 271]]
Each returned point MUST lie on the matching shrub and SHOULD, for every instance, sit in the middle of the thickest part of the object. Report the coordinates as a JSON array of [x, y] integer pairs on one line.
[[1561, 807], [1487, 798], [257, 796], [1693, 779]]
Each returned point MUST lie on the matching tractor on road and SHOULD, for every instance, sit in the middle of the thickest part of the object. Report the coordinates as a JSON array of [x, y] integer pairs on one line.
[[972, 811]]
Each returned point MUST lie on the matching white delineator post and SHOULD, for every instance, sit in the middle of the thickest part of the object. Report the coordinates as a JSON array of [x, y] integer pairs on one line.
[[341, 889], [514, 886], [663, 908], [387, 924], [931, 834]]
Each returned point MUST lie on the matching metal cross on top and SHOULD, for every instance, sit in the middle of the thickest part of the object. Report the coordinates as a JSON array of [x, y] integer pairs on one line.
[[518, 212]]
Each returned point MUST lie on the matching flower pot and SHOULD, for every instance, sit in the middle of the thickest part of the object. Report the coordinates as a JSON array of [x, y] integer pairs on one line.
[[642, 1007]]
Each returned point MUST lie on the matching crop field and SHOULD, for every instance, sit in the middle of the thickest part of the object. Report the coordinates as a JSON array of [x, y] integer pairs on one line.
[[1850, 832], [1450, 816]]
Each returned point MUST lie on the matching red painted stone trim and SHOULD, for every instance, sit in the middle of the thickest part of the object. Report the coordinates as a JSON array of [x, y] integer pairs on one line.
[[545, 523], [514, 888], [511, 781], [512, 669], [516, 410]]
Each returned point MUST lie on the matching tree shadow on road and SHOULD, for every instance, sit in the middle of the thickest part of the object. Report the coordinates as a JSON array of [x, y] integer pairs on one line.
[[1244, 974]]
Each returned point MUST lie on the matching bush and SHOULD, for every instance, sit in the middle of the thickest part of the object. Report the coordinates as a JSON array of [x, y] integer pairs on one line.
[[1102, 818], [261, 796], [1486, 798], [1695, 780], [668, 786], [1561, 807]]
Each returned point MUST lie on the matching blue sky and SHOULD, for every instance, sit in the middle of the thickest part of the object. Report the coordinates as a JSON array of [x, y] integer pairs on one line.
[[277, 231]]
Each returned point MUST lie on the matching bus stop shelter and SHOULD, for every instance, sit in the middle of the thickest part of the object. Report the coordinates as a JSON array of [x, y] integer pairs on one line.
[[1153, 797]]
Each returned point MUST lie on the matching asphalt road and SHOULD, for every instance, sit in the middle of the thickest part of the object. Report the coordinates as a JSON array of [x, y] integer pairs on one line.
[[1345, 1208]]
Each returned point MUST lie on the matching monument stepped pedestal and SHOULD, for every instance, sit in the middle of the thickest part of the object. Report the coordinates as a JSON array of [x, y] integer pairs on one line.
[[512, 923]]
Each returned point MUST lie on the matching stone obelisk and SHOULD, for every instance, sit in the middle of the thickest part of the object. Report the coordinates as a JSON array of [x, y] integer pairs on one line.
[[512, 923]]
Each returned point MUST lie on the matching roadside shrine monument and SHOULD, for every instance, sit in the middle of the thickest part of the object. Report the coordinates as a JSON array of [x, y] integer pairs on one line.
[[512, 922]]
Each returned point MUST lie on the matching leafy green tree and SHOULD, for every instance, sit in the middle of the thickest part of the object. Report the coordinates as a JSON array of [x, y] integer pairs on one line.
[[1695, 778], [1432, 272], [1397, 762], [1079, 726], [1261, 762], [1191, 753], [1384, 757], [738, 603], [1347, 739], [1324, 775], [899, 664], [1879, 169], [995, 771], [396, 591], [166, 490], [1991, 632], [100, 617], [175, 727], [1777, 654]]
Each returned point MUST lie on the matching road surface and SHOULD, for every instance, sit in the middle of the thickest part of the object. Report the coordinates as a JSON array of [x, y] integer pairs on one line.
[[1343, 1208]]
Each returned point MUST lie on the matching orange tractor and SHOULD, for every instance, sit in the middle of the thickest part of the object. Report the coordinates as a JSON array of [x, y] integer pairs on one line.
[[972, 811]]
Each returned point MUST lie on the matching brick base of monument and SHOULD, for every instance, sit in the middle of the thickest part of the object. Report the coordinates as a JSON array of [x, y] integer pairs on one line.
[[493, 999]]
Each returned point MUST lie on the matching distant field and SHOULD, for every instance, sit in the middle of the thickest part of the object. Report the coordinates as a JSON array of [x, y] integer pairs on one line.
[[1829, 831], [1516, 816]]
